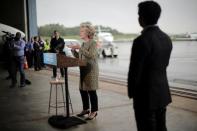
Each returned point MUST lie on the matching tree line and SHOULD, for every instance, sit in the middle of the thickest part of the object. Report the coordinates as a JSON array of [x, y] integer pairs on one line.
[[47, 30]]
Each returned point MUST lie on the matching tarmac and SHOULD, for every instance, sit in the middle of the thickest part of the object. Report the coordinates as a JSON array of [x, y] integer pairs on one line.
[[26, 109]]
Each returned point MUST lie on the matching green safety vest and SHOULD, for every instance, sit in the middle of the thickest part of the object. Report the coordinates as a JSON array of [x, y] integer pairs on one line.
[[46, 46]]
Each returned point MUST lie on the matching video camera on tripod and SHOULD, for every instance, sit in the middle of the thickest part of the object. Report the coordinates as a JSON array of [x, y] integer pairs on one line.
[[8, 36]]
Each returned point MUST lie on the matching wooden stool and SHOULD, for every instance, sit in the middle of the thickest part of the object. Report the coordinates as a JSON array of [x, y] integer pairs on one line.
[[56, 83]]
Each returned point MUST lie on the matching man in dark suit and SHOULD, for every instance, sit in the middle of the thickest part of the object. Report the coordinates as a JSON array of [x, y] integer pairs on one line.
[[57, 46], [147, 78]]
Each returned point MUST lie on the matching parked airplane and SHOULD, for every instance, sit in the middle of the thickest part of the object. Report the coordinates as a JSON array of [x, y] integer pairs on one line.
[[192, 35], [106, 46], [186, 37]]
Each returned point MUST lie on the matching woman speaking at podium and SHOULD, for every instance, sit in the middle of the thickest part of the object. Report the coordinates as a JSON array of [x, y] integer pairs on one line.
[[89, 73]]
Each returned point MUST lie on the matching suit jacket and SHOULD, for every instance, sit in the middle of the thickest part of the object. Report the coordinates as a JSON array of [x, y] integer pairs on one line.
[[57, 44], [147, 77], [89, 73]]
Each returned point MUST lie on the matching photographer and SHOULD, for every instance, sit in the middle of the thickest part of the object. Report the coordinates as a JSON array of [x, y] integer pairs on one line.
[[18, 60], [8, 53]]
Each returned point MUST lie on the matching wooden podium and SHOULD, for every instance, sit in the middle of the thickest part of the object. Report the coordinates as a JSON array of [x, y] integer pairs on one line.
[[62, 61]]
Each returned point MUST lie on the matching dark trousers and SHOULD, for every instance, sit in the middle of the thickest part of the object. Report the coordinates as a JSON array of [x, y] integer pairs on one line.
[[18, 62], [29, 57], [42, 58], [61, 69], [55, 71], [151, 120], [92, 96], [9, 63], [37, 61]]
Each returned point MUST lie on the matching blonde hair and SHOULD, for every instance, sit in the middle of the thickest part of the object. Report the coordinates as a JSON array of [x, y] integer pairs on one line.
[[89, 28]]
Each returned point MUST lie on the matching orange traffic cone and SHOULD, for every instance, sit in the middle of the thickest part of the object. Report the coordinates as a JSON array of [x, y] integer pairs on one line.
[[25, 64]]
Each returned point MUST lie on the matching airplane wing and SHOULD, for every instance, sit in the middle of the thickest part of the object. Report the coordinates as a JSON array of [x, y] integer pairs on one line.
[[10, 29]]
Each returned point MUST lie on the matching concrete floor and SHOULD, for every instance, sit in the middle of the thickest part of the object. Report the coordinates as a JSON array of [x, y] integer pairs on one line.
[[26, 109]]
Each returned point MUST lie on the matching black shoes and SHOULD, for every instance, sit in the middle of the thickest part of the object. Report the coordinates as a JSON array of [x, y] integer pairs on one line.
[[91, 116], [84, 112]]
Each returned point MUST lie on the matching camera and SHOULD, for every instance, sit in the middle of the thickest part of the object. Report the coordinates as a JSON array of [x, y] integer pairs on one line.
[[8, 36]]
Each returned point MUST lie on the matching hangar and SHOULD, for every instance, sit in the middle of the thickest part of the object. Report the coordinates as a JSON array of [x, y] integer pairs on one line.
[[20, 14]]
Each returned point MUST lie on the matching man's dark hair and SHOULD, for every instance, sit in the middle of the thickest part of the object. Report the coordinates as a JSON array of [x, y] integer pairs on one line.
[[150, 12], [18, 34], [35, 38]]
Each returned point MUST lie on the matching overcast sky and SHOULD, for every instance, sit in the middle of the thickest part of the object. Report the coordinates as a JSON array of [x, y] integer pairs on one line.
[[178, 16]]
